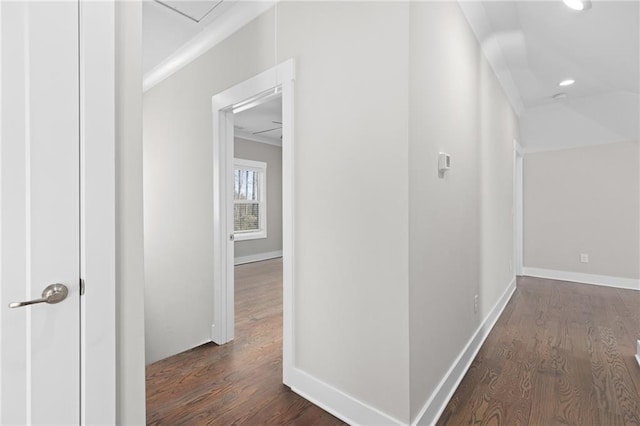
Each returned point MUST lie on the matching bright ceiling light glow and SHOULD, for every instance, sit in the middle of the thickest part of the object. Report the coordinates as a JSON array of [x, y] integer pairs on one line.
[[567, 82], [578, 4], [574, 4]]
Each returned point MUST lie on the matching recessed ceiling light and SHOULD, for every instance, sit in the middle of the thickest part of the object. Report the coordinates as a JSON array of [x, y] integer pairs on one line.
[[567, 82], [578, 4], [558, 96]]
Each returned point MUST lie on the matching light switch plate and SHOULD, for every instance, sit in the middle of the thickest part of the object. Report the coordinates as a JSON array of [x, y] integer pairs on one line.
[[444, 162]]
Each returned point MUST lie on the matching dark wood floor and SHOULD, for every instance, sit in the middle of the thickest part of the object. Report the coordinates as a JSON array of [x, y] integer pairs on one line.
[[240, 382], [560, 354]]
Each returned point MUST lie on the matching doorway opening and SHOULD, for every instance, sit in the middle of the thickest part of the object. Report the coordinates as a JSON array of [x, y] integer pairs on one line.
[[275, 83], [257, 247], [251, 331]]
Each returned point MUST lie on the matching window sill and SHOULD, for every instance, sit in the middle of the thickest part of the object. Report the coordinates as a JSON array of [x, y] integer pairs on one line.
[[245, 236]]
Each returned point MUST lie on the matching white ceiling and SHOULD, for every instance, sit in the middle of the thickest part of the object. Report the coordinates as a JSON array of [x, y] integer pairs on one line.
[[165, 30], [533, 45], [260, 123]]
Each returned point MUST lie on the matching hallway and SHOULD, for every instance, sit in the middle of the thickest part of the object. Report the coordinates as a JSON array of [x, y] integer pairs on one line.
[[561, 353]]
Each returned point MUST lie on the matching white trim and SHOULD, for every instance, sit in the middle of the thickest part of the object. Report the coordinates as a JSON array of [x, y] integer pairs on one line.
[[518, 207], [257, 100], [566, 148], [235, 18], [579, 277], [257, 257], [287, 74], [258, 166], [239, 134], [638, 352], [334, 401], [277, 81], [439, 399], [223, 321], [1, 301], [97, 141]]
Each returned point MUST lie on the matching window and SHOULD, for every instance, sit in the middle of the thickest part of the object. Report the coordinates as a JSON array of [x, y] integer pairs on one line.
[[249, 199]]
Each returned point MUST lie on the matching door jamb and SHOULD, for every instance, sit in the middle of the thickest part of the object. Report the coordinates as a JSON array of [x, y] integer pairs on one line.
[[240, 97], [518, 199], [97, 212]]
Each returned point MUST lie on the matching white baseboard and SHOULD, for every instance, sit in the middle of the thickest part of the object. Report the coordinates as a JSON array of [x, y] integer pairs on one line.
[[578, 277], [343, 406], [257, 257], [439, 399]]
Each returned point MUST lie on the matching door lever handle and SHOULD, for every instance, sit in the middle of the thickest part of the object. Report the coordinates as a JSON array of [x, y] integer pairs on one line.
[[54, 293]]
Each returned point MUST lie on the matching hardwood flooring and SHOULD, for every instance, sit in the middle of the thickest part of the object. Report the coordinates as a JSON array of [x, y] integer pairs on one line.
[[561, 354], [240, 382]]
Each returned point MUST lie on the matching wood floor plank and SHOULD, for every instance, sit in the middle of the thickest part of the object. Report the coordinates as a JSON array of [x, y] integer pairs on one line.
[[564, 355], [239, 382]]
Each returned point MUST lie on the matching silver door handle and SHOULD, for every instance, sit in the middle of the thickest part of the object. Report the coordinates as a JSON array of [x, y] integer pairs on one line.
[[54, 293]]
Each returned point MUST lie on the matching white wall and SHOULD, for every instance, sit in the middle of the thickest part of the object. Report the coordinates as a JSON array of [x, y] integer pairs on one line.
[[351, 152], [460, 225], [178, 188], [355, 278], [130, 380], [583, 200], [272, 155], [351, 195], [386, 251], [582, 121]]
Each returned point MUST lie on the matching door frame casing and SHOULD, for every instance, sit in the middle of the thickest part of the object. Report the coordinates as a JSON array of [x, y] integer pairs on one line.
[[97, 212], [518, 208], [276, 81]]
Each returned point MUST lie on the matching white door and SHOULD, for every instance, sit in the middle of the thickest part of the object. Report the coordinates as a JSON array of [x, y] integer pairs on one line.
[[39, 217]]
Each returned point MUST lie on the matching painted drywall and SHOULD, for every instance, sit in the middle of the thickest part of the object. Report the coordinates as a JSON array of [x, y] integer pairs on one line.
[[373, 109], [351, 205], [583, 200], [582, 121], [351, 112], [272, 155], [178, 188], [130, 379], [460, 224]]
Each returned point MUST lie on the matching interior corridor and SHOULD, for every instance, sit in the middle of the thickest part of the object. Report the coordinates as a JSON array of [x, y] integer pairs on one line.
[[560, 353]]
